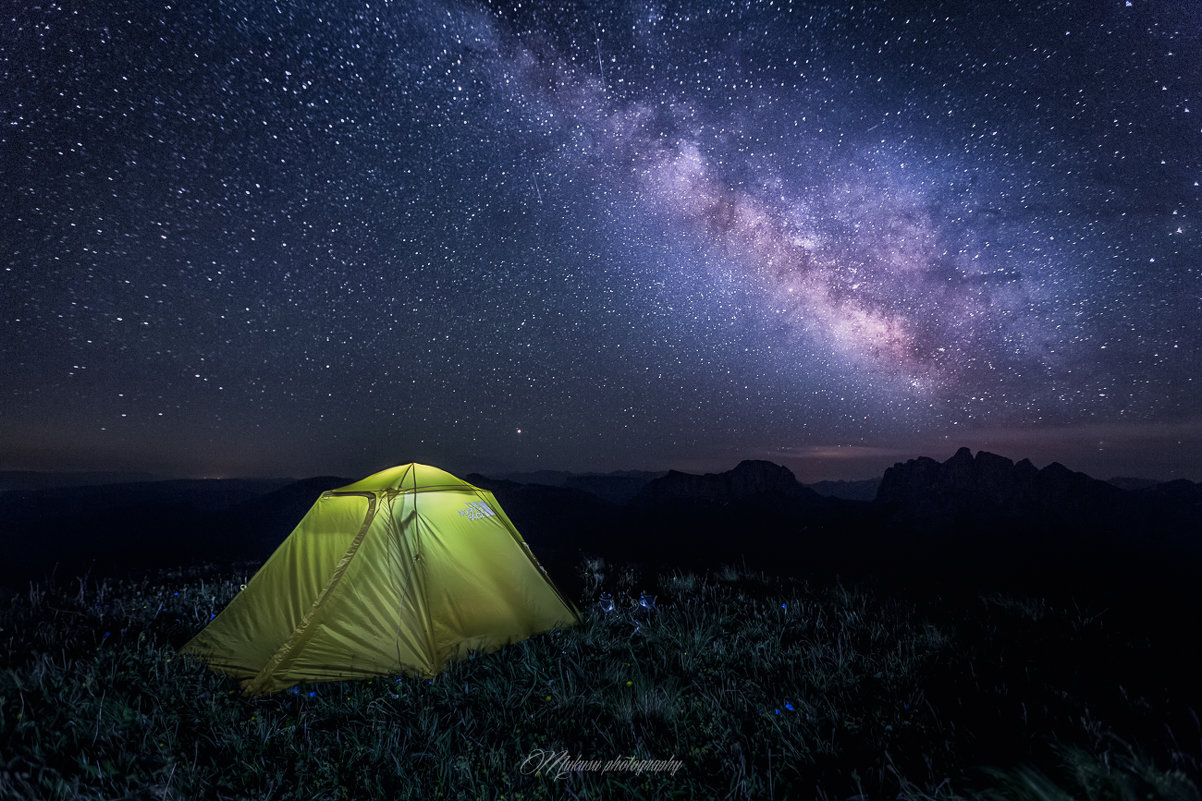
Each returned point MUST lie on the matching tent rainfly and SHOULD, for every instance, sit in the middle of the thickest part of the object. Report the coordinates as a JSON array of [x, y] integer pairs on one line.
[[404, 571]]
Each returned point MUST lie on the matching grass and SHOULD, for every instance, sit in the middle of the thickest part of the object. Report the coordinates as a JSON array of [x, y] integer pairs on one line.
[[741, 685]]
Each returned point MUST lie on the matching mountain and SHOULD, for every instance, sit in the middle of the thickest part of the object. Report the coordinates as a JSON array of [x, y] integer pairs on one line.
[[1132, 483], [749, 481], [561, 518], [862, 490], [1180, 493], [31, 479], [199, 495], [616, 487], [990, 518], [619, 488], [756, 513], [256, 526], [972, 520], [988, 491], [118, 527]]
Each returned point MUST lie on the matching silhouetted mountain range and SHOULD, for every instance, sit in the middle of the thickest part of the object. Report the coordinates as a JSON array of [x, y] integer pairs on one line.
[[751, 482], [862, 490], [618, 487], [989, 491], [32, 479], [991, 494], [967, 519]]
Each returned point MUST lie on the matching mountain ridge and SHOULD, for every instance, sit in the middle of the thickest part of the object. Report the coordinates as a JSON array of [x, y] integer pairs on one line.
[[925, 515]]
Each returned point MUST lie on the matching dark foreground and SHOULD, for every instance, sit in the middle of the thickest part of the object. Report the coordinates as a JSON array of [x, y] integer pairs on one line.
[[734, 685]]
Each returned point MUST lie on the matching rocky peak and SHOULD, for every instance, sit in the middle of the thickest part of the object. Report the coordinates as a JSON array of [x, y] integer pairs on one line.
[[750, 479], [989, 488]]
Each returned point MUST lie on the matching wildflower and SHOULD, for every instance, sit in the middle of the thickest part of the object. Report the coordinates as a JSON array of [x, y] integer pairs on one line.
[[788, 706], [606, 602], [785, 607], [630, 684], [312, 693]]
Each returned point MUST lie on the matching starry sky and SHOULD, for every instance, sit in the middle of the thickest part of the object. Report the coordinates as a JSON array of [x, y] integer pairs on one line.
[[259, 238]]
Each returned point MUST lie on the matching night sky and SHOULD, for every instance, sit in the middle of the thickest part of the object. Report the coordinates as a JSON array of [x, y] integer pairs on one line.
[[257, 238]]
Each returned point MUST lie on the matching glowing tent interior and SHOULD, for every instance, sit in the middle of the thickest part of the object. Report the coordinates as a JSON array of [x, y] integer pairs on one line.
[[404, 571]]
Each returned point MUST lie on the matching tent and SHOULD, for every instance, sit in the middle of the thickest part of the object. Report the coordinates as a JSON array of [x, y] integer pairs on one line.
[[403, 571]]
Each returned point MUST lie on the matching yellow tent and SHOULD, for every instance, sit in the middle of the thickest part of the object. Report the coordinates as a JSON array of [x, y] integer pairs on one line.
[[406, 570]]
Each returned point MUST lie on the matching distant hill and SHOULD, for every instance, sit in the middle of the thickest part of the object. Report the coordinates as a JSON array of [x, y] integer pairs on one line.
[[972, 519], [554, 519], [749, 481], [32, 480], [1129, 483], [1178, 493], [116, 527], [862, 490], [616, 487], [203, 495]]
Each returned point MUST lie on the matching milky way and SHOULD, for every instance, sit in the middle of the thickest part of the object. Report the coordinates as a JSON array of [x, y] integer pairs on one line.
[[332, 238], [860, 288]]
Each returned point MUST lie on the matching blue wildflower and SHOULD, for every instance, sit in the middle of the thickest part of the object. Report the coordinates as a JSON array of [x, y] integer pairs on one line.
[[788, 706]]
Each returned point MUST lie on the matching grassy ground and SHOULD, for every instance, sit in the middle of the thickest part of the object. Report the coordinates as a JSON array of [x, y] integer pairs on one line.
[[735, 685]]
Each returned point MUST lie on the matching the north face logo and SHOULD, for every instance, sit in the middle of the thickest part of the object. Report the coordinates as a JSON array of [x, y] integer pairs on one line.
[[476, 510]]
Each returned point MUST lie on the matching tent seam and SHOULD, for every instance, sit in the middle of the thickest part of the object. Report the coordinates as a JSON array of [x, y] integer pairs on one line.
[[419, 571], [251, 686]]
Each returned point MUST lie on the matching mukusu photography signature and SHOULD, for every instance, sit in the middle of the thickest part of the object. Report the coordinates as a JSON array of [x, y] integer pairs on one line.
[[558, 764]]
